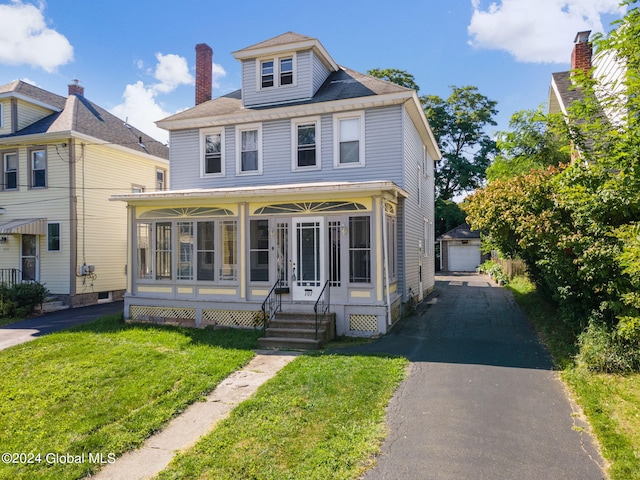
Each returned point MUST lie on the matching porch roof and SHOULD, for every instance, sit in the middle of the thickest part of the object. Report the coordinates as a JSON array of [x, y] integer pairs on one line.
[[30, 226], [249, 192]]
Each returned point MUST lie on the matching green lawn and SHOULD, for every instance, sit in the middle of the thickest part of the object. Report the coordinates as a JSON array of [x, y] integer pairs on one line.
[[322, 417], [103, 388], [611, 402]]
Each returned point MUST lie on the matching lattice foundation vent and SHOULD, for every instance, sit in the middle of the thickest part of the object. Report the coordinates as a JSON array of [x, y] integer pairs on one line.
[[232, 318], [144, 313], [367, 323]]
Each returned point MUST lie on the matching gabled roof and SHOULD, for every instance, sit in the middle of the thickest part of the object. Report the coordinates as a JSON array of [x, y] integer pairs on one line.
[[562, 92], [461, 232], [77, 114], [24, 90], [287, 42]]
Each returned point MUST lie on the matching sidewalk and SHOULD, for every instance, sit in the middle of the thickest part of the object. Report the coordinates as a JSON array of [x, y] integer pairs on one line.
[[184, 431]]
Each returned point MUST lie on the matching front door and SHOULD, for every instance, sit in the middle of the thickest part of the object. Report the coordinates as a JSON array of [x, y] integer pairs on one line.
[[29, 254], [308, 268]]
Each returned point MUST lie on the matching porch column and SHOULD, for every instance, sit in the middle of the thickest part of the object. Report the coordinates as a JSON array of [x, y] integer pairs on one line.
[[242, 248]]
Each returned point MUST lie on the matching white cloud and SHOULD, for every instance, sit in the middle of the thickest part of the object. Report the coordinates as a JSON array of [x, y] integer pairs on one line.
[[171, 71], [141, 106], [536, 31], [26, 39], [218, 73], [141, 110]]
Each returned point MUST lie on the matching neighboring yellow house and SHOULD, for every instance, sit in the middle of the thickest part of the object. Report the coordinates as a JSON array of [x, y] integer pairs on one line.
[[61, 158]]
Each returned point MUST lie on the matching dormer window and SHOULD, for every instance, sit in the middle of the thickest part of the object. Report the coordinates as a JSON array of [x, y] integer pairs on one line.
[[286, 71], [276, 72], [267, 74]]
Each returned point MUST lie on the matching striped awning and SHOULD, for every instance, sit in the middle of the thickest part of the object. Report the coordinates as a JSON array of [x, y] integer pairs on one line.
[[30, 226]]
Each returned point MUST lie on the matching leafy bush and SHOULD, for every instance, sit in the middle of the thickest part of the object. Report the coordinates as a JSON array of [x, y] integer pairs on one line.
[[21, 299], [495, 271], [603, 349]]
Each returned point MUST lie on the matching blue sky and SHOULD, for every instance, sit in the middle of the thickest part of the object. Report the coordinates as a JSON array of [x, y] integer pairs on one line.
[[137, 58]]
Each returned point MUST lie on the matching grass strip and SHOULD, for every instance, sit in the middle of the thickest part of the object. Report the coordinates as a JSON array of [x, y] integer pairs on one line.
[[103, 388], [611, 402], [321, 417]]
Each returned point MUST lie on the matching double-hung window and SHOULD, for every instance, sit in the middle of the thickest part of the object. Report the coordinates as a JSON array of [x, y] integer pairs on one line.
[[276, 72], [53, 237], [213, 148], [160, 179], [249, 149], [38, 168], [286, 71], [349, 139], [10, 162], [306, 144], [266, 71], [360, 249]]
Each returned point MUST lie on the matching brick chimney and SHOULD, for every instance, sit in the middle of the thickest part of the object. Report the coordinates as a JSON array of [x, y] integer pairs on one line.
[[204, 72], [582, 51], [76, 89]]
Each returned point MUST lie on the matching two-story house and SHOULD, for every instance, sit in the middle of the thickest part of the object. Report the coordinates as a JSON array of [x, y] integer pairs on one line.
[[61, 158], [310, 175]]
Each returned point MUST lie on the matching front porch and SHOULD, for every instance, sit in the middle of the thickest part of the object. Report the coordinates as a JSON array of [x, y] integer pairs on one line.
[[212, 257]]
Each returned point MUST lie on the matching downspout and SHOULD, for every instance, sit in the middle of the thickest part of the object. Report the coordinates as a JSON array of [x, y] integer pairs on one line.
[[73, 223], [385, 255]]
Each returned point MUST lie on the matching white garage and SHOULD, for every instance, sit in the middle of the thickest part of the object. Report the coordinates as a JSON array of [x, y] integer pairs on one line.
[[460, 250], [464, 258]]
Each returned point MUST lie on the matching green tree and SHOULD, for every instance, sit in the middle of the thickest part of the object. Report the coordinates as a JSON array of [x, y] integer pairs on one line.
[[535, 140], [458, 124], [578, 227], [448, 216], [399, 77]]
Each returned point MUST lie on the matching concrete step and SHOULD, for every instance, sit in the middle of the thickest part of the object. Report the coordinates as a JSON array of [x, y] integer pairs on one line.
[[288, 343], [295, 332], [53, 306]]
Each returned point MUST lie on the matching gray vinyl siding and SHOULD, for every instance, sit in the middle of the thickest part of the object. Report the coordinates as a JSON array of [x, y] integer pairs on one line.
[[320, 73], [185, 159], [383, 148], [415, 211], [252, 95]]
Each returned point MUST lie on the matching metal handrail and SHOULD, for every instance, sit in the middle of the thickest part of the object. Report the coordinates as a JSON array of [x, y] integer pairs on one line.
[[13, 276], [273, 302], [324, 302]]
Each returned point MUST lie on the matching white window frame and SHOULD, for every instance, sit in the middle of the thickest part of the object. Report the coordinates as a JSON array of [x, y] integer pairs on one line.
[[239, 130], [276, 71], [5, 162], [294, 143], [164, 179], [59, 249], [203, 151], [337, 118], [32, 170]]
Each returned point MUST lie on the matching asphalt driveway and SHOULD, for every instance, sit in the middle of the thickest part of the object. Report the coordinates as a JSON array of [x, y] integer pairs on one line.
[[20, 332], [482, 400]]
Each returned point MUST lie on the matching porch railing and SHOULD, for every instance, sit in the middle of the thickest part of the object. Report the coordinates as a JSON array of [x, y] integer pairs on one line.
[[271, 304], [13, 276], [322, 305]]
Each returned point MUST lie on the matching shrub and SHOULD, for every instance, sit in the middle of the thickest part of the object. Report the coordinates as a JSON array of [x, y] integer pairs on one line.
[[495, 271], [603, 349], [21, 299]]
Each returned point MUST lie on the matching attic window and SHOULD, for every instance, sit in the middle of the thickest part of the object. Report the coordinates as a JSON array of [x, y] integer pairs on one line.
[[286, 71], [276, 72], [267, 74]]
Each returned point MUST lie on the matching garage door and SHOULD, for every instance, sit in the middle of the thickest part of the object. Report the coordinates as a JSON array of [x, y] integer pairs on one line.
[[464, 258]]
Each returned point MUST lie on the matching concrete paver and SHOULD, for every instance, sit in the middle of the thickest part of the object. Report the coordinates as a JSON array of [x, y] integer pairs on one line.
[[482, 400]]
